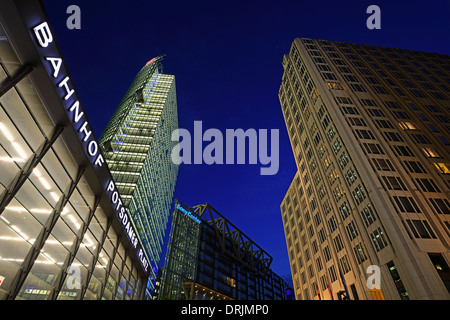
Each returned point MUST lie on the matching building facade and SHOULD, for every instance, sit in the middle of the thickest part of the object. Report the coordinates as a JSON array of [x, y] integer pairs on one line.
[[63, 234], [208, 258], [137, 146], [369, 129]]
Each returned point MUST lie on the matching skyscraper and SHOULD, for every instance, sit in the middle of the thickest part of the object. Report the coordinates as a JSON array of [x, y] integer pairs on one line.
[[61, 237], [137, 146], [208, 258], [367, 214]]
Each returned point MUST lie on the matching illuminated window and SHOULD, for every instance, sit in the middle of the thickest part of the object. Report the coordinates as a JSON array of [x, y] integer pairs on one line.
[[334, 86], [407, 126], [442, 167], [430, 153], [360, 253], [378, 239]]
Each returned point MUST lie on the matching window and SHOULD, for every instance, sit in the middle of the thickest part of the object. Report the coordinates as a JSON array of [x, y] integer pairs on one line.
[[372, 148], [378, 239], [345, 265], [420, 138], [427, 185], [417, 93], [332, 223], [392, 104], [443, 140], [349, 110], [310, 271], [333, 175], [430, 153], [375, 112], [343, 160], [337, 145], [379, 90], [351, 176], [331, 133], [393, 183], [383, 165], [400, 115], [406, 204], [368, 102], [344, 209], [359, 194], [421, 229], [404, 151], [328, 76], [442, 167], [338, 192], [351, 230], [334, 86], [368, 215], [415, 167], [398, 282], [365, 134], [432, 128], [439, 263], [442, 206], [422, 117], [360, 253], [357, 122], [325, 122], [350, 78], [384, 124], [327, 253], [393, 136], [343, 100], [407, 126], [338, 243], [321, 235], [332, 273]]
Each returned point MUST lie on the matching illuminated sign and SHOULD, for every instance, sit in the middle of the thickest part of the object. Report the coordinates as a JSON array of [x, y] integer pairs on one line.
[[79, 119], [125, 221], [54, 66], [188, 213]]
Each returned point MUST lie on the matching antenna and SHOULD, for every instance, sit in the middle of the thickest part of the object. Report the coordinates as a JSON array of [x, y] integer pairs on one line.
[[279, 52]]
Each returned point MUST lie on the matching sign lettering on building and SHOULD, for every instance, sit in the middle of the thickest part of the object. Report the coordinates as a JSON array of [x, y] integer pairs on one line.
[[54, 65]]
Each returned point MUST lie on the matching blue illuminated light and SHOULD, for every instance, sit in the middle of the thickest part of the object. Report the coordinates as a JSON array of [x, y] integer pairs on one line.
[[188, 213]]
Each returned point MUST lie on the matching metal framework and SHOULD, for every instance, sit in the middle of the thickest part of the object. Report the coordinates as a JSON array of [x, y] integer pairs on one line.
[[32, 162], [42, 237], [243, 249]]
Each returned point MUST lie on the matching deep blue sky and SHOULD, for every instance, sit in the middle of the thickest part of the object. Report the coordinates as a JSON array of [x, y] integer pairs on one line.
[[225, 57]]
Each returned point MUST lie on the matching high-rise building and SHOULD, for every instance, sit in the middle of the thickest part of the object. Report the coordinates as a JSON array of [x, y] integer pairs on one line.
[[137, 146], [208, 258], [367, 215], [63, 234]]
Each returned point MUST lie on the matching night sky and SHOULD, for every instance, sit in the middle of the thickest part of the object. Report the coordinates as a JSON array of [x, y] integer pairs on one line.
[[226, 59]]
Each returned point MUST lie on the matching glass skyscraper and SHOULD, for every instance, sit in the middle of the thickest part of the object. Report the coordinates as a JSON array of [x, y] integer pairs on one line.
[[137, 147]]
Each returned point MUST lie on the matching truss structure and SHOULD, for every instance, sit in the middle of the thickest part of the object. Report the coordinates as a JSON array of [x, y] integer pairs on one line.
[[242, 248]]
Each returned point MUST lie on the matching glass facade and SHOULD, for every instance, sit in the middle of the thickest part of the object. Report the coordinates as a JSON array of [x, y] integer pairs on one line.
[[59, 238], [181, 256], [200, 264], [137, 146]]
